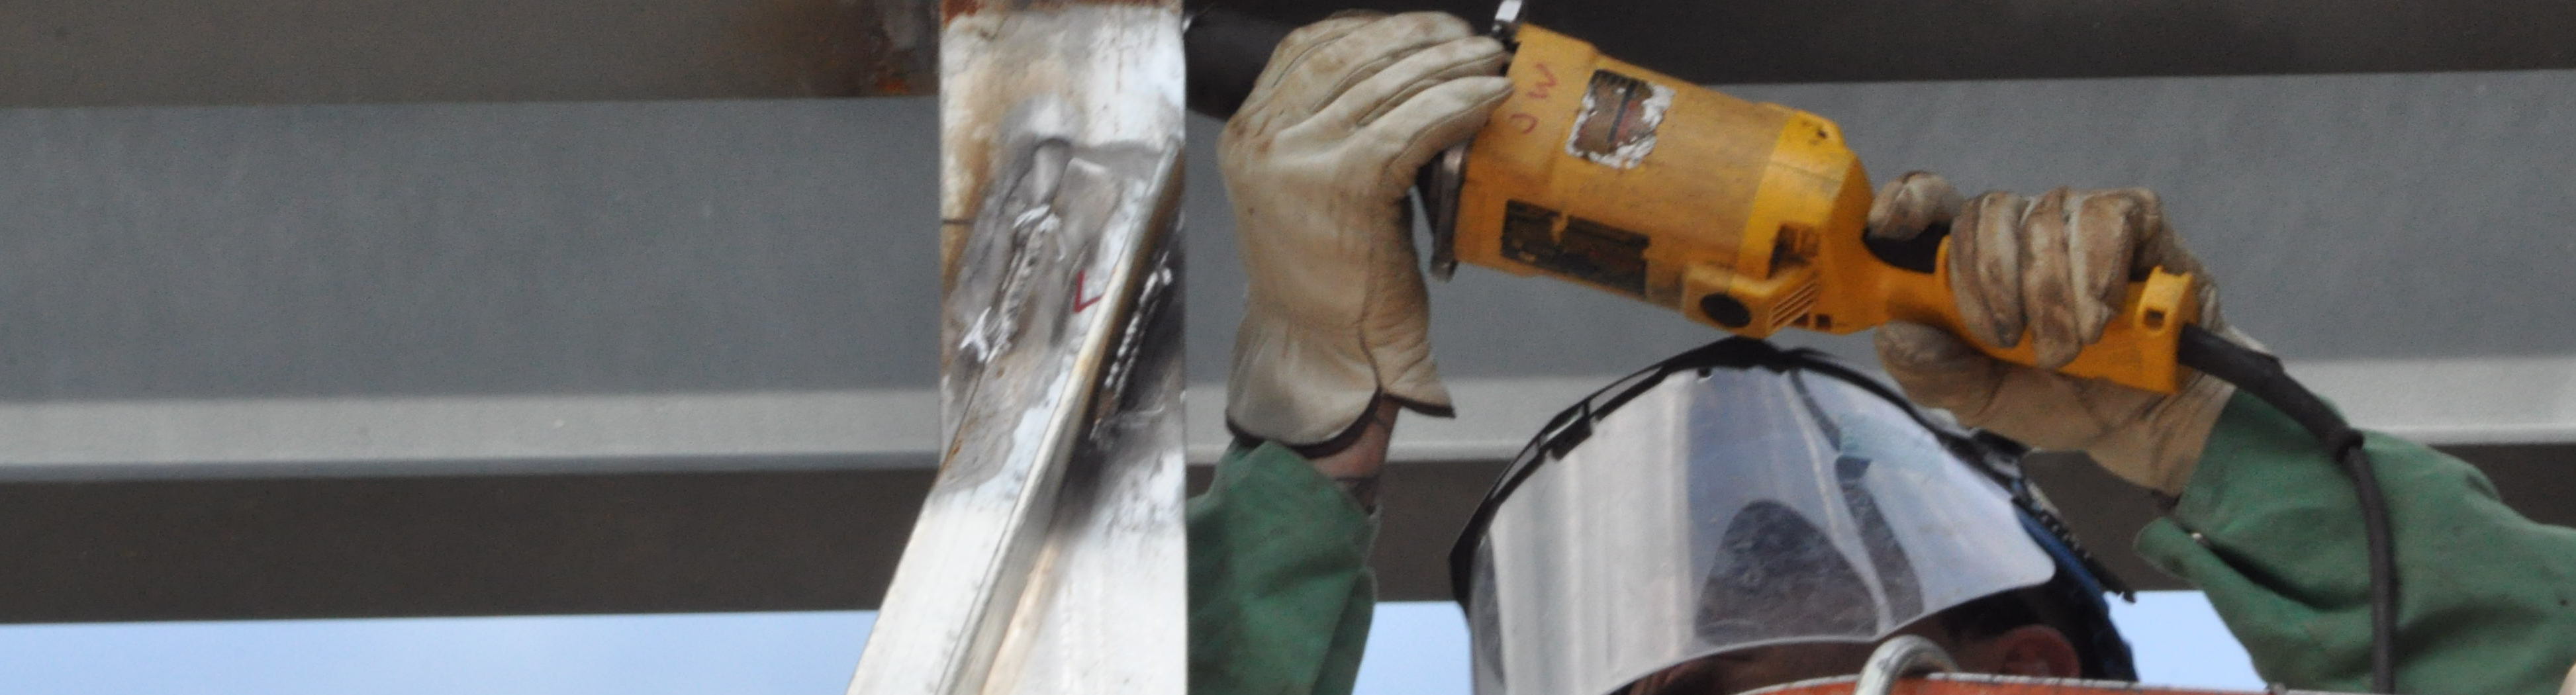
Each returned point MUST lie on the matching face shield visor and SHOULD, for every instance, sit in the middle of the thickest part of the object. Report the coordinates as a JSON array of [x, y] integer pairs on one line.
[[1694, 510]]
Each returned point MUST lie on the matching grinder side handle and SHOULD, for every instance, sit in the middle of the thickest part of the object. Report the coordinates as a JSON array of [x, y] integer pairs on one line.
[[2138, 347]]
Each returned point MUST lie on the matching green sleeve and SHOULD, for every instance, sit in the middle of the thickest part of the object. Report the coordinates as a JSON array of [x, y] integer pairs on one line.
[[1280, 589], [2269, 528]]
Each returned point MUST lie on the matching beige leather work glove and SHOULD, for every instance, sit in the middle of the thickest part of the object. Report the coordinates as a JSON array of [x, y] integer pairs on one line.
[[1317, 163], [2055, 266]]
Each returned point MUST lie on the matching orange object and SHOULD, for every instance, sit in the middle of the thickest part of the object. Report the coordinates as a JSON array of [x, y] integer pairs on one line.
[[1743, 215]]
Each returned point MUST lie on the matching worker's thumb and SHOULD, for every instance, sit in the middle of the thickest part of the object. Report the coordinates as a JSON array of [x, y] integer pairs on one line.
[[1938, 369]]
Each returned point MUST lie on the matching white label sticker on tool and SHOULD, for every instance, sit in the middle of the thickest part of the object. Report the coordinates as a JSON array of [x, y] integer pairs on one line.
[[1616, 127]]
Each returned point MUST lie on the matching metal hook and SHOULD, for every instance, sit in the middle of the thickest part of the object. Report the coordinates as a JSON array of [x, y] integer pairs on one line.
[[1901, 656]]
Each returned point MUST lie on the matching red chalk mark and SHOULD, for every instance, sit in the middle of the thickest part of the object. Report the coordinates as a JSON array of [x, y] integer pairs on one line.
[[1547, 79], [1526, 122], [1080, 302]]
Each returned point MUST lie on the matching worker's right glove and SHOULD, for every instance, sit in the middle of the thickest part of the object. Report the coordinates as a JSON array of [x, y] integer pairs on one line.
[[1317, 163], [2058, 266]]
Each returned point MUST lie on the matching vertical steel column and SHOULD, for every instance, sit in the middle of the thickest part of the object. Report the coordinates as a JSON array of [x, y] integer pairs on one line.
[[1048, 557]]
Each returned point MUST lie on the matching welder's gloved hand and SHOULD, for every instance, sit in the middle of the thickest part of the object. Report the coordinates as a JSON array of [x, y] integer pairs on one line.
[[1317, 163], [2057, 266]]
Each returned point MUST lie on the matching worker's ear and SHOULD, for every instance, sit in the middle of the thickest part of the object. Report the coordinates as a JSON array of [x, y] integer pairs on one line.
[[2034, 650]]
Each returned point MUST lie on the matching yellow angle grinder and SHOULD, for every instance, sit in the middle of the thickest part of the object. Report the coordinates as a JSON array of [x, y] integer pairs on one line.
[[1746, 216]]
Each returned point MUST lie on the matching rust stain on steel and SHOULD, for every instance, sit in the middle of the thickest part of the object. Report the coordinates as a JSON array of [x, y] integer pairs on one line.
[[847, 48]]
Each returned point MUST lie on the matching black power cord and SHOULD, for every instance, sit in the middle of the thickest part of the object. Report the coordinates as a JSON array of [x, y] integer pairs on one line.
[[2261, 375]]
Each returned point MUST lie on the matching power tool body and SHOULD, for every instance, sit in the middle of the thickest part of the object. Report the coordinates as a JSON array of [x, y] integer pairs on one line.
[[1747, 216]]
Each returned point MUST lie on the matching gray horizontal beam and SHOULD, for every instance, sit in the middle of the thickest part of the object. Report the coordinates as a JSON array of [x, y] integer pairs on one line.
[[437, 250], [642, 250], [1866, 40], [482, 545], [56, 53], [2450, 401], [823, 538]]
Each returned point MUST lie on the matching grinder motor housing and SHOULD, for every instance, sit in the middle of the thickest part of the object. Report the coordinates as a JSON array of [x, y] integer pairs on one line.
[[1747, 216]]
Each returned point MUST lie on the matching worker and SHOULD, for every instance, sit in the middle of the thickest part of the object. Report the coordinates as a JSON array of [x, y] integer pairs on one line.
[[1334, 344]]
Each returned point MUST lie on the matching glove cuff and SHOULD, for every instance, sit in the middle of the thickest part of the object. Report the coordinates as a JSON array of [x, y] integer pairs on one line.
[[1302, 388], [1288, 387], [1416, 384], [2168, 446], [2163, 451]]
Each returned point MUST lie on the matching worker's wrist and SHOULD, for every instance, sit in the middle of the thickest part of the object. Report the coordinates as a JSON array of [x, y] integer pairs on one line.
[[1245, 438], [1353, 459], [1363, 451]]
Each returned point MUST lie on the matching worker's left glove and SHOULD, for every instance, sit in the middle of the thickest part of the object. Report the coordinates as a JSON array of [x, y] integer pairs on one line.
[[1317, 164], [2051, 270]]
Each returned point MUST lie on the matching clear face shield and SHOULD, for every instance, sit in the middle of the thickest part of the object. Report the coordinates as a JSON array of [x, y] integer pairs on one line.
[[1713, 510]]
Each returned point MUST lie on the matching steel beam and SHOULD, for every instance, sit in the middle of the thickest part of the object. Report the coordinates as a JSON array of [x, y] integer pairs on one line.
[[1048, 555], [57, 53]]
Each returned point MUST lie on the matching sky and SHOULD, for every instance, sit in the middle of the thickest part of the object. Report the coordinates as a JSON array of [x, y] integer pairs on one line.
[[1415, 649]]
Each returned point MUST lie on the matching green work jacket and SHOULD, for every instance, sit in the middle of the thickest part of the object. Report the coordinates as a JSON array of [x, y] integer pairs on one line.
[[1281, 593]]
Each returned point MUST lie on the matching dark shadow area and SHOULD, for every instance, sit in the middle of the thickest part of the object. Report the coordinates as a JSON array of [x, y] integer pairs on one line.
[[698, 542]]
